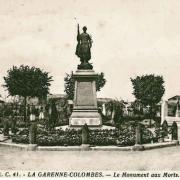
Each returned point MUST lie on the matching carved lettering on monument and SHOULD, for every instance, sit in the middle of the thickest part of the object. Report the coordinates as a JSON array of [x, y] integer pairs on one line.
[[88, 121]]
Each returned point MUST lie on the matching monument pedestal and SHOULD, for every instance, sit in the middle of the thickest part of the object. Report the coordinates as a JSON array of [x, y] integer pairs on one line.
[[85, 109]]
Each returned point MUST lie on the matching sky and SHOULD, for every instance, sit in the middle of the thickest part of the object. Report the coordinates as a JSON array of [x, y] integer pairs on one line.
[[130, 38]]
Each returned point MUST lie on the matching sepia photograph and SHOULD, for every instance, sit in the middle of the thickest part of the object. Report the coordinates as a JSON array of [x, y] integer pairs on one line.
[[90, 89]]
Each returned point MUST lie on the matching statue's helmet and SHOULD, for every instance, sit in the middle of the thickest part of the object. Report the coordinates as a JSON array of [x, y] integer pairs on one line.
[[84, 28]]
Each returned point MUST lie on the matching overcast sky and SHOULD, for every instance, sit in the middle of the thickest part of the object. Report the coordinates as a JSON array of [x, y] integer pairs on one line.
[[130, 38]]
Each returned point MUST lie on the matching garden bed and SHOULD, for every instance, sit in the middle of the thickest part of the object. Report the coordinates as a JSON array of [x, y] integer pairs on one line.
[[122, 136]]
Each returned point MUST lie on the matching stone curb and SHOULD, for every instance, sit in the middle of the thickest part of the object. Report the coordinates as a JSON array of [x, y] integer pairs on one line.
[[111, 148], [160, 145], [58, 148], [137, 147], [13, 145]]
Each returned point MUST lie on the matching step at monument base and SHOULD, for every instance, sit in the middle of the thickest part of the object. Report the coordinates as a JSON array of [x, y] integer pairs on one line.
[[90, 117]]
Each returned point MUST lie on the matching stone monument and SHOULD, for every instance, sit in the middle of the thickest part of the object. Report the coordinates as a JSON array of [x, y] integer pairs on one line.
[[85, 110]]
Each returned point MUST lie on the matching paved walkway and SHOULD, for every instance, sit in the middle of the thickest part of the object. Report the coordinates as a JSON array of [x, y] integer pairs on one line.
[[157, 159]]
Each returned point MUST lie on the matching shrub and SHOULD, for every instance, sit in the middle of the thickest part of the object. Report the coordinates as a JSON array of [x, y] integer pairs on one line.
[[60, 138], [13, 125], [147, 136], [20, 139], [174, 131], [85, 134], [102, 137], [165, 128], [6, 127], [159, 132], [21, 136], [33, 133], [123, 136], [24, 131], [126, 135]]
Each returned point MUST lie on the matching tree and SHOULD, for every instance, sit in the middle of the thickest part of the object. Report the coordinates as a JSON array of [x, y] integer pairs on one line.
[[115, 107], [137, 108], [118, 111], [100, 81], [148, 90], [70, 84], [27, 82]]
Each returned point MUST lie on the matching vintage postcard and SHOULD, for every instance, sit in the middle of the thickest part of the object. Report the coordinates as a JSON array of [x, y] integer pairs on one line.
[[90, 89]]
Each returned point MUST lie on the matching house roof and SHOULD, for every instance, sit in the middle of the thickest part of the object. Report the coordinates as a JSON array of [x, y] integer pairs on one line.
[[174, 98], [104, 100], [54, 96]]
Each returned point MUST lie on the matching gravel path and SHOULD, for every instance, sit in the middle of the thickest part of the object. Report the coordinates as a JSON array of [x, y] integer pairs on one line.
[[157, 159]]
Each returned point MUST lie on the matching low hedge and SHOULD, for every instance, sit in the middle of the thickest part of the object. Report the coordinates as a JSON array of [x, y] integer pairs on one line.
[[147, 136], [123, 136], [20, 139], [60, 138]]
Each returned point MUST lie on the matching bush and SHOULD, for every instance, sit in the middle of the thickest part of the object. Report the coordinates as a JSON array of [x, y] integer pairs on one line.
[[102, 137], [159, 132], [124, 135], [24, 132], [6, 127], [20, 139], [165, 128], [174, 131], [85, 134], [147, 136], [60, 138]]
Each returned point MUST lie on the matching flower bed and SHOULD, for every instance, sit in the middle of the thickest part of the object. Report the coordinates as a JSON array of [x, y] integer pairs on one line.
[[123, 136], [21, 137], [60, 138]]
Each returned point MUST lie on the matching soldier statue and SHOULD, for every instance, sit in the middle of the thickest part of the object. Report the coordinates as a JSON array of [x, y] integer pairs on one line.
[[83, 48]]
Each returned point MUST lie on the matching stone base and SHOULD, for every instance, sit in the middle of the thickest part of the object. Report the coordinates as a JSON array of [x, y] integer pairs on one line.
[[102, 127], [90, 117], [84, 66]]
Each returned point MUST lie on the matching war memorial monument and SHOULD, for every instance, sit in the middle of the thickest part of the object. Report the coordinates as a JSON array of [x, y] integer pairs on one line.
[[85, 109]]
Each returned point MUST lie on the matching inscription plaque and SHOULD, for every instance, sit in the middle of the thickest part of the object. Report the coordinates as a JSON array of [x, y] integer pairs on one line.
[[84, 94], [88, 121]]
